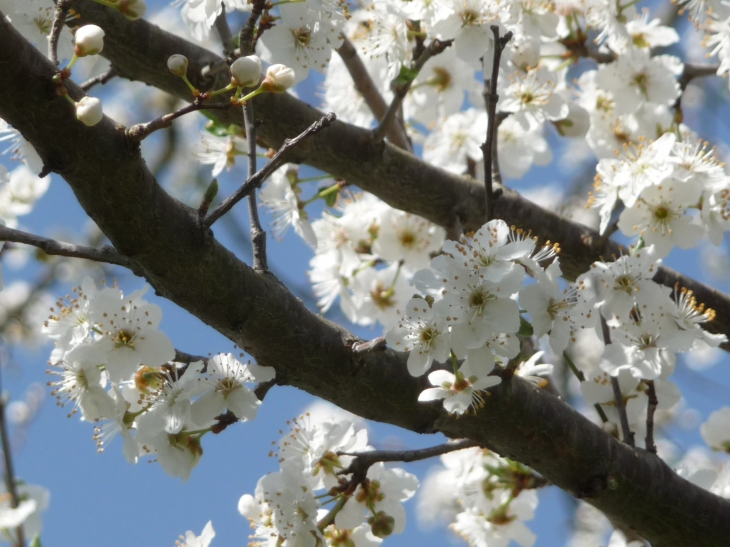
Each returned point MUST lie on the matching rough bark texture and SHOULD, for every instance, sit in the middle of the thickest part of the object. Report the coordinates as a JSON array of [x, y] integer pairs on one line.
[[186, 264]]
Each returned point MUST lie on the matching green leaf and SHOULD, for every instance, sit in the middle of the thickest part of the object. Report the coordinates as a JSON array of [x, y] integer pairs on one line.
[[36, 541], [331, 198], [525, 328], [406, 76]]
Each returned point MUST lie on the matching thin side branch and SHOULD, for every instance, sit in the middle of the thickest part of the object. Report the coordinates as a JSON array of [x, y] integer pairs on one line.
[[434, 48], [58, 20], [490, 99], [363, 460], [187, 358], [692, 71], [59, 248], [257, 179], [224, 32], [627, 434], [581, 378], [650, 409], [100, 79], [10, 482], [258, 235], [141, 131], [367, 88], [246, 36]]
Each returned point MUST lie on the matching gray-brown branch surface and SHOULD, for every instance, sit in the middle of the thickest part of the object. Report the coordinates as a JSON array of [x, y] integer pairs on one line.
[[139, 51], [186, 264]]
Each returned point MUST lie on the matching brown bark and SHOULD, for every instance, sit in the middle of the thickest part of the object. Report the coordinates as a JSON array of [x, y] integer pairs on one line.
[[185, 263]]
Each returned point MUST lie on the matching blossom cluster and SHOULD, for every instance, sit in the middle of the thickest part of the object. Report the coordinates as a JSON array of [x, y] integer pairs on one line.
[[115, 366], [287, 510], [487, 498]]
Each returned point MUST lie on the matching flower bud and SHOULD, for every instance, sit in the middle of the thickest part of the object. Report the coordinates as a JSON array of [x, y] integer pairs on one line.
[[89, 111], [246, 71], [178, 65], [132, 9], [278, 79], [89, 40], [381, 524]]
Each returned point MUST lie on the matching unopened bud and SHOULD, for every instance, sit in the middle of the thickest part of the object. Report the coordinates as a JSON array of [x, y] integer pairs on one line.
[[132, 9], [89, 40], [246, 71], [278, 79], [381, 524], [89, 111], [178, 64]]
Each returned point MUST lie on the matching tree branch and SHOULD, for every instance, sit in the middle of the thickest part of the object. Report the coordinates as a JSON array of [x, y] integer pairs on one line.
[[434, 48], [364, 460], [186, 265], [59, 17], [141, 131], [652, 403], [490, 100], [100, 79], [10, 481], [58, 248], [367, 88], [258, 178]]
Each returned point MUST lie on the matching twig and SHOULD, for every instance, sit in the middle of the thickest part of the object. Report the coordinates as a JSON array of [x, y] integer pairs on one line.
[[263, 388], [10, 482], [59, 248], [371, 345], [224, 32], [626, 432], [363, 460], [581, 378], [490, 99], [182, 357], [100, 79], [214, 68], [142, 130], [692, 71], [650, 409], [434, 48], [257, 179], [246, 36], [258, 235], [366, 87], [59, 18]]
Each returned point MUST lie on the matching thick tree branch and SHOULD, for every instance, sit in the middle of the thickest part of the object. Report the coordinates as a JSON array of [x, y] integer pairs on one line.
[[185, 264], [140, 51]]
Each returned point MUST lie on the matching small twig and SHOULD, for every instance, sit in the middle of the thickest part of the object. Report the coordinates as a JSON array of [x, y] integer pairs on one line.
[[10, 482], [143, 130], [182, 357], [692, 71], [650, 409], [59, 18], [59, 248], [367, 88], [246, 36], [258, 235], [626, 432], [580, 48], [100, 79], [224, 32], [257, 179], [600, 242], [371, 345], [263, 388], [490, 99], [363, 460], [434, 48], [222, 64], [581, 378]]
